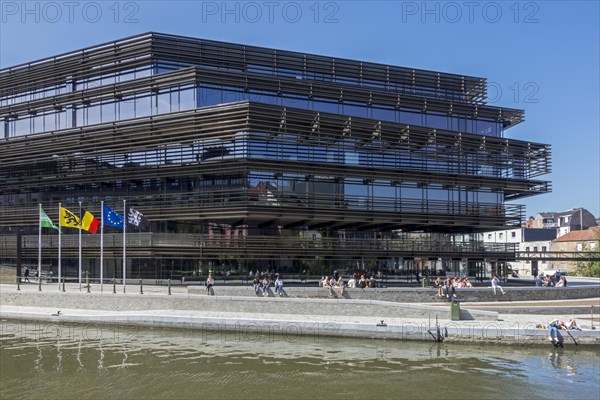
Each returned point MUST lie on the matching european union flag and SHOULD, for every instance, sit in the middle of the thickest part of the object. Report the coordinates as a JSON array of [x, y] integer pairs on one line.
[[112, 218]]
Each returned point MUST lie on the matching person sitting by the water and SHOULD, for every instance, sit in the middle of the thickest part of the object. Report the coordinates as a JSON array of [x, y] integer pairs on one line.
[[362, 283], [256, 284], [372, 282], [438, 285], [327, 283], [266, 285], [562, 282], [467, 283], [572, 325], [341, 284], [210, 282], [546, 282], [496, 284], [352, 282], [553, 333], [448, 287], [279, 286], [332, 282]]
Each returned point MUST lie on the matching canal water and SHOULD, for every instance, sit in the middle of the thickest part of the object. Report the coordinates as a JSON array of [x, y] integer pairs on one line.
[[72, 361]]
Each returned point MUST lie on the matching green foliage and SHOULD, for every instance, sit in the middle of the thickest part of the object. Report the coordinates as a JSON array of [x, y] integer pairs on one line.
[[316, 266], [591, 268]]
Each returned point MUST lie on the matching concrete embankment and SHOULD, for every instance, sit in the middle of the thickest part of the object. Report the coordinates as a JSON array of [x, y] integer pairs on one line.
[[237, 304], [418, 295], [247, 317]]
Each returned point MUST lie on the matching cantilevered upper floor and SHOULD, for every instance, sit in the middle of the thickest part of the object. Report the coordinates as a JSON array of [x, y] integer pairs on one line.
[[148, 65]]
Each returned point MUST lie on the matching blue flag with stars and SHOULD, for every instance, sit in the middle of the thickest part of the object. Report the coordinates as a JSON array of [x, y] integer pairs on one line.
[[112, 218]]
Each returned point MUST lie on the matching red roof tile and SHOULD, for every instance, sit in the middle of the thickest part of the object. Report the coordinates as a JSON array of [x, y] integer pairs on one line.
[[588, 234]]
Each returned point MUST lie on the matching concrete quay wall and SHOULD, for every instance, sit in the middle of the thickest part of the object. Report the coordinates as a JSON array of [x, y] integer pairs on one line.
[[415, 295], [237, 303], [240, 329]]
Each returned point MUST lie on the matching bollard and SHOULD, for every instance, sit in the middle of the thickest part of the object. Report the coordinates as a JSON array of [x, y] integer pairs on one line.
[[592, 317], [63, 282], [141, 287], [40, 283], [169, 287], [18, 283], [115, 286], [87, 281]]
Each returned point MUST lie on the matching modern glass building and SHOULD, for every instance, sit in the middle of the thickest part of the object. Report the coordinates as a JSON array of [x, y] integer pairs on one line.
[[247, 158]]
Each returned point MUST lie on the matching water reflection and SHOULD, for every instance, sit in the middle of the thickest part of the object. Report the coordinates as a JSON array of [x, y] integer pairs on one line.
[[73, 361]]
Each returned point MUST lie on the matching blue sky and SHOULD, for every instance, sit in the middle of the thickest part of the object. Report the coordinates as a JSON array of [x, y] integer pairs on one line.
[[540, 56]]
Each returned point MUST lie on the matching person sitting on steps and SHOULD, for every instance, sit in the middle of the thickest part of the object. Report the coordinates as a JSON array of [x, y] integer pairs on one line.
[[553, 333]]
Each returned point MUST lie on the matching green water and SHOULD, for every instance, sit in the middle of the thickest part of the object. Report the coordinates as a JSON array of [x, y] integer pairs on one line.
[[68, 361]]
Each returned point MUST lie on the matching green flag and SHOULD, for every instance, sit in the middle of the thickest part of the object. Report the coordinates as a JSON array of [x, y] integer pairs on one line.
[[45, 221]]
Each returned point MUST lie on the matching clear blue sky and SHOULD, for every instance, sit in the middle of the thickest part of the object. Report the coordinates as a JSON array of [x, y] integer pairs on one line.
[[540, 56]]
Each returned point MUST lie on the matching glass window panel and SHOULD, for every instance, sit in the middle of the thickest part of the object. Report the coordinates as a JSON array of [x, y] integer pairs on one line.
[[437, 121], [407, 117], [93, 115], [486, 128], [384, 191], [126, 76], [127, 108], [294, 102], [355, 110], [108, 112], [231, 96], [261, 97], [62, 121], [325, 106], [143, 73], [108, 80], [81, 115], [384, 114], [38, 124], [163, 103], [209, 96], [412, 192], [434, 193], [187, 99], [50, 122], [454, 124], [143, 107], [174, 99]]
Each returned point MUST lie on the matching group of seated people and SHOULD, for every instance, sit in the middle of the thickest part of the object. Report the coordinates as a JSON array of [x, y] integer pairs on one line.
[[555, 280], [337, 282], [448, 285], [262, 286]]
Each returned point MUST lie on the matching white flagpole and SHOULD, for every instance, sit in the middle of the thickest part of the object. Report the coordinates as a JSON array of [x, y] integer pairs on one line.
[[59, 248], [124, 252], [40, 242], [80, 246], [101, 245]]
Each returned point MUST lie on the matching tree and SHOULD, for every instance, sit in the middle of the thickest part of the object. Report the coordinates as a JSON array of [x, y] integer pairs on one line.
[[591, 268]]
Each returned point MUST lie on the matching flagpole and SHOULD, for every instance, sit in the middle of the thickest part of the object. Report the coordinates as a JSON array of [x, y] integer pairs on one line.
[[59, 247], [80, 246], [124, 252], [101, 244], [40, 243]]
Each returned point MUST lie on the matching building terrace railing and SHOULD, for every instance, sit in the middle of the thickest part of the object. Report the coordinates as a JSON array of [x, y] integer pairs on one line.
[[185, 246]]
